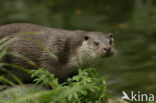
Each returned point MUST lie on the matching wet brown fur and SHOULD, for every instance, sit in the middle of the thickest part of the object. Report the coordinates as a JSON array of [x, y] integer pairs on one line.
[[61, 46], [62, 43]]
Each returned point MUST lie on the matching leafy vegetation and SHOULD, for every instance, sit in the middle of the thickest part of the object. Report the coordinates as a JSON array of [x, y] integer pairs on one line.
[[86, 87]]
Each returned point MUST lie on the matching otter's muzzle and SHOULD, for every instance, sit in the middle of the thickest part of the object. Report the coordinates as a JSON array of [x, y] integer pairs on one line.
[[108, 51]]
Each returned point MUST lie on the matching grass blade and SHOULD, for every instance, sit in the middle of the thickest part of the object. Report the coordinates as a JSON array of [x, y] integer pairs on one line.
[[43, 47], [16, 67], [12, 75], [2, 78], [22, 57]]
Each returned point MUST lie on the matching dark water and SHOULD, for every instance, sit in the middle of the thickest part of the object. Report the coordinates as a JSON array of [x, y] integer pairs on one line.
[[134, 67], [132, 21]]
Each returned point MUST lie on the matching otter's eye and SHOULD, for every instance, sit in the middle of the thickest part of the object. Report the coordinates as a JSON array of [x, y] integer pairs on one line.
[[111, 42], [110, 35], [86, 37], [96, 43]]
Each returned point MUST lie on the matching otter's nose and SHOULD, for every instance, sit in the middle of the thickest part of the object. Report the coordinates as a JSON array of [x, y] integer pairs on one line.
[[107, 49]]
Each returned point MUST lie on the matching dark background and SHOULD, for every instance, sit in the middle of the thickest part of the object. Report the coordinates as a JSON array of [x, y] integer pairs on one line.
[[133, 23]]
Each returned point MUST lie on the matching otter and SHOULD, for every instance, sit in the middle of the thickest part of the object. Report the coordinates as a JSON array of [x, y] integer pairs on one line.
[[73, 49]]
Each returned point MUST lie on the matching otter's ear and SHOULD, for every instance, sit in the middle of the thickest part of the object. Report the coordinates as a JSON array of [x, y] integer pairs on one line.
[[86, 37], [110, 35]]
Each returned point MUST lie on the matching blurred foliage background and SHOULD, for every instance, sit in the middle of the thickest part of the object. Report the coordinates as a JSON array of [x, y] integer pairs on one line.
[[133, 23]]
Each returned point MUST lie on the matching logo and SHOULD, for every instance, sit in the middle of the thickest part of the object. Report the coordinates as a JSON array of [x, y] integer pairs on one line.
[[138, 96]]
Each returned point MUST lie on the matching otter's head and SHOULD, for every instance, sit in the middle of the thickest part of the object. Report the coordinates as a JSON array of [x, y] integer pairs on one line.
[[96, 45]]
